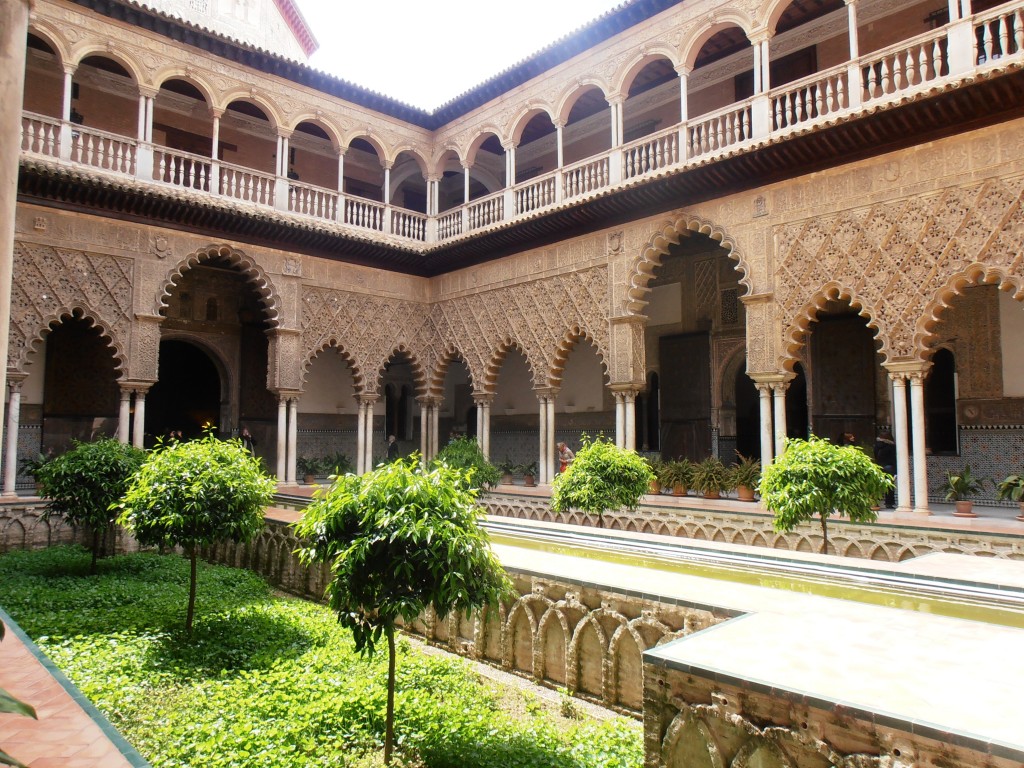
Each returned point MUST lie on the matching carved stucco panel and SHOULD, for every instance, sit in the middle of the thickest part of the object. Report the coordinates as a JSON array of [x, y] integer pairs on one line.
[[899, 262], [144, 363], [285, 360], [50, 282]]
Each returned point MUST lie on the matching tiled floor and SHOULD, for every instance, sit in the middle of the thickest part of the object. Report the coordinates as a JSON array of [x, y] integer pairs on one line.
[[65, 735]]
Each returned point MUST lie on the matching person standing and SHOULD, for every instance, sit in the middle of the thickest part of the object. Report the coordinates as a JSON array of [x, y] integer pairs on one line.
[[247, 440], [392, 448], [565, 457]]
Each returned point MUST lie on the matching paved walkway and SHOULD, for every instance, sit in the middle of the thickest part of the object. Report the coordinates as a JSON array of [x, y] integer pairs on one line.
[[69, 732]]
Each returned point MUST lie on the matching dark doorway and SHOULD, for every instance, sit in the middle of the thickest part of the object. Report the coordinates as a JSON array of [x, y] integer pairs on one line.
[[187, 396], [843, 363], [686, 396], [940, 404], [796, 405], [748, 416]]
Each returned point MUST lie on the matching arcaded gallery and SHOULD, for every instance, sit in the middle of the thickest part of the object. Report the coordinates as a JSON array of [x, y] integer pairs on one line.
[[699, 227]]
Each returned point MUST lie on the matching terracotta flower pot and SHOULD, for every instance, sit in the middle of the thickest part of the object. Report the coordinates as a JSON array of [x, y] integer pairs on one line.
[[529, 480], [655, 488], [964, 508], [712, 495], [678, 489], [744, 493], [1021, 515]]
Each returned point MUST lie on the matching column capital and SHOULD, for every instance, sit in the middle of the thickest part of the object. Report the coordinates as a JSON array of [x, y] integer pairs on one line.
[[907, 368], [285, 133], [70, 69], [683, 70], [760, 36], [851, 2], [772, 379], [367, 398], [543, 392], [625, 388], [483, 398], [216, 112], [149, 91], [508, 144], [615, 98], [466, 165]]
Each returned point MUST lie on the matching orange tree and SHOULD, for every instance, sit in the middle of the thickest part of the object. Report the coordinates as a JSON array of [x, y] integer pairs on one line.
[[399, 540]]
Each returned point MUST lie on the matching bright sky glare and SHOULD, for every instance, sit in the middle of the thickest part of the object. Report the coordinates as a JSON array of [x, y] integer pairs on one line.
[[427, 52]]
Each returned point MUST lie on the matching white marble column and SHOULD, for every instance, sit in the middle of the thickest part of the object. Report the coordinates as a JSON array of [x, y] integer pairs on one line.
[[13, 48], [293, 439], [620, 420], [465, 186], [341, 175], [282, 438], [920, 453], [139, 427], [779, 398], [11, 447], [758, 87], [684, 98], [954, 10], [630, 400], [387, 185], [552, 466], [360, 437], [560, 149], [485, 430], [435, 444], [854, 35], [766, 66], [124, 416], [764, 399], [543, 438], [424, 430], [899, 423]]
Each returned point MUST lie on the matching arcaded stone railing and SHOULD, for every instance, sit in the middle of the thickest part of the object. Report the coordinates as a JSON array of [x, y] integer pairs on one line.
[[587, 639], [886, 542]]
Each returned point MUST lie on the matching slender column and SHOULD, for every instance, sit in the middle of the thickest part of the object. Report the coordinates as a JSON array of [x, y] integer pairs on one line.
[[435, 417], [13, 39], [779, 397], [140, 129], [684, 84], [360, 437], [285, 155], [559, 126], [757, 69], [899, 423], [368, 431], [954, 10], [851, 17], [282, 437], [465, 185], [341, 169], [65, 109], [766, 66], [620, 420], [630, 400], [11, 448], [920, 456], [542, 459], [485, 429], [215, 146], [510, 173], [387, 185], [150, 106], [764, 398], [124, 416], [424, 422], [551, 438], [293, 438], [139, 427]]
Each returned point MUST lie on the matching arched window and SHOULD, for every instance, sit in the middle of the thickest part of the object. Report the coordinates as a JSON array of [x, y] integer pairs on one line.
[[940, 404]]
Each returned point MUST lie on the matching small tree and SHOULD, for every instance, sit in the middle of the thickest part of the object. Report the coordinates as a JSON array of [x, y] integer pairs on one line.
[[82, 485], [602, 477], [814, 477], [464, 453], [193, 494], [400, 539]]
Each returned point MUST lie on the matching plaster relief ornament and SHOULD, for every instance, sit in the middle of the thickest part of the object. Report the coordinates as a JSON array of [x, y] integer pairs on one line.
[[293, 266], [39, 224], [161, 247]]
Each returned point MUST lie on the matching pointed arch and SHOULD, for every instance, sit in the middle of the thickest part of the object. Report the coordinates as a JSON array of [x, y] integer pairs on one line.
[[794, 336], [493, 368], [687, 729], [372, 384], [256, 277], [78, 310], [435, 380], [641, 269], [570, 339]]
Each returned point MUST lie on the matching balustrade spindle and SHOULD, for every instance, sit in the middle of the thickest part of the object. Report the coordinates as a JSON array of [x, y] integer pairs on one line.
[[1018, 31]]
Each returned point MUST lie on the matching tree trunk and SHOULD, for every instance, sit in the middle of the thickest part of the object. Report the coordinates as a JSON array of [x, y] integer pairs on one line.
[[389, 720], [191, 591], [95, 546], [824, 535]]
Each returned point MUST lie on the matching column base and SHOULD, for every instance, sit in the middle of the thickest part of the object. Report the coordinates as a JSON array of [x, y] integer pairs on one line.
[[921, 512], [8, 498]]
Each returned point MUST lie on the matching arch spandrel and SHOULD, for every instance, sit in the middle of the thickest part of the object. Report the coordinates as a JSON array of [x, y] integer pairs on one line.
[[51, 283], [902, 260], [256, 278]]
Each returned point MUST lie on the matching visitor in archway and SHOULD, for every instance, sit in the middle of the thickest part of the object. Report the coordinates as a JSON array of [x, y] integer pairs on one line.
[[247, 441], [848, 439], [393, 450], [565, 457], [885, 457]]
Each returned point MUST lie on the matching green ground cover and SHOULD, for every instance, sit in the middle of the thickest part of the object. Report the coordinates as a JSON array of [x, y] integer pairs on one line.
[[270, 681]]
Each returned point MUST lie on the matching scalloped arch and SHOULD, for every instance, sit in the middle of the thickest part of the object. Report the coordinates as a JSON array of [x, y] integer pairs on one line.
[[335, 344], [641, 270], [490, 382], [794, 335], [418, 372], [435, 380], [256, 277], [77, 311], [569, 341], [974, 275]]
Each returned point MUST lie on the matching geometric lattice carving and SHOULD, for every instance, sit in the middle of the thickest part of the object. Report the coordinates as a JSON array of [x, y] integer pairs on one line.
[[50, 282], [901, 262], [706, 285]]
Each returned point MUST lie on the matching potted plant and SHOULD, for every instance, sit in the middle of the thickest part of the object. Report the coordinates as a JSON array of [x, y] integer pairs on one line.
[[336, 464], [529, 473], [1011, 488], [309, 467], [711, 477], [655, 465], [677, 475], [507, 469], [745, 474], [959, 487]]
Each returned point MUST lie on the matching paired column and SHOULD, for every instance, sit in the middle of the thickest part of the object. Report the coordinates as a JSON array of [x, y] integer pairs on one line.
[[920, 454], [764, 399], [282, 438], [625, 419], [545, 463], [910, 441], [483, 423], [364, 433], [139, 424], [899, 419], [779, 398], [293, 440], [11, 447]]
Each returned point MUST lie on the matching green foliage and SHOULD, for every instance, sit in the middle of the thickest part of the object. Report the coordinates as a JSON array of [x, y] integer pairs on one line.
[[529, 468], [676, 472], [960, 486], [746, 472], [1011, 488], [82, 484], [603, 477], [400, 539], [464, 453], [12, 706], [338, 464], [267, 682], [194, 494], [711, 476], [815, 478]]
